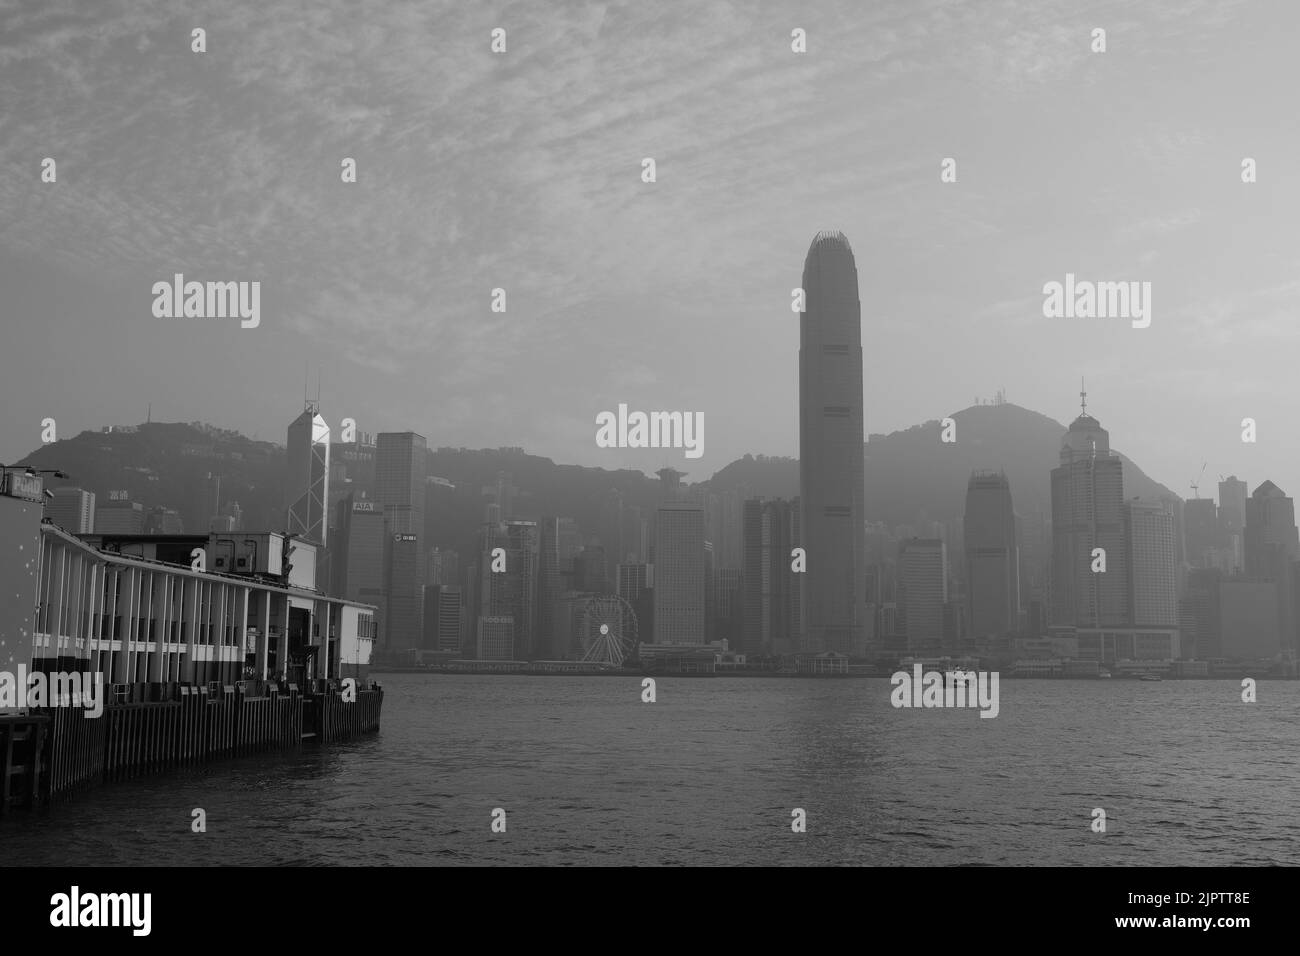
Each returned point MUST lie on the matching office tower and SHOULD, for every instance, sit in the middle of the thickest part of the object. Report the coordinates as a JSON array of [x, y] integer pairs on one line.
[[679, 573], [1201, 530], [360, 552], [1205, 636], [209, 502], [399, 491], [72, 509], [1249, 620], [550, 585], [399, 480], [727, 607], [1232, 505], [119, 516], [1271, 545], [922, 593], [443, 566], [635, 587], [307, 486], [1174, 505], [443, 611], [1087, 514], [495, 639], [162, 520], [511, 590], [1232, 522], [1153, 573], [636, 536], [831, 449], [992, 556], [722, 517], [770, 585], [352, 464], [590, 570], [403, 625]]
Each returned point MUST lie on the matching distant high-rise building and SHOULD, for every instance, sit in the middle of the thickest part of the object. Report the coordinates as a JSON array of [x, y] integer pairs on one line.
[[399, 490], [1204, 637], [1153, 574], [1232, 522], [119, 517], [496, 638], [770, 622], [831, 450], [403, 622], [992, 556], [1232, 505], [1201, 531], [443, 612], [922, 593], [358, 570], [399, 480], [590, 570], [307, 487], [679, 574], [511, 591], [634, 587], [443, 566], [162, 520], [72, 509], [1249, 622], [550, 585], [1087, 514], [1271, 547]]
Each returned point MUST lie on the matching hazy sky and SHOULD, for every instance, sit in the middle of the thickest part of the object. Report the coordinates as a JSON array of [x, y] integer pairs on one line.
[[523, 171]]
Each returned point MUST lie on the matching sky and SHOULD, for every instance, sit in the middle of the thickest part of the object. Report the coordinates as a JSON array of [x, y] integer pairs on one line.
[[523, 171]]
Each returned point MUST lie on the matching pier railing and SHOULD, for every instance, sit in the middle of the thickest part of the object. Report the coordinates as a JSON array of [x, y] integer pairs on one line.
[[59, 751]]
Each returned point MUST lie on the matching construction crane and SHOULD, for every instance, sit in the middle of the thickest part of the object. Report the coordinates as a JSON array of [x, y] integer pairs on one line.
[[1196, 488]]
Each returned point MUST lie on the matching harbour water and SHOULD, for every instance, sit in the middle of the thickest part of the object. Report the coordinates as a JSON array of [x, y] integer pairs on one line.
[[709, 774]]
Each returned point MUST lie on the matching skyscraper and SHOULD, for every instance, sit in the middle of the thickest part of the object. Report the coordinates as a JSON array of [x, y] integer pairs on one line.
[[360, 553], [443, 611], [992, 556], [1271, 547], [399, 480], [831, 450], [1201, 530], [119, 516], [404, 618], [72, 509], [1153, 574], [510, 592], [307, 487], [1232, 522], [769, 618], [399, 490], [1087, 514], [922, 593], [679, 573]]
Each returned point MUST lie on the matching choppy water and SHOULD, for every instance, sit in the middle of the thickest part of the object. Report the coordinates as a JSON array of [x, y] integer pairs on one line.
[[709, 773]]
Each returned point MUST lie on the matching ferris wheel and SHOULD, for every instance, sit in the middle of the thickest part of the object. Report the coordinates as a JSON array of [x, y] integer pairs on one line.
[[607, 630]]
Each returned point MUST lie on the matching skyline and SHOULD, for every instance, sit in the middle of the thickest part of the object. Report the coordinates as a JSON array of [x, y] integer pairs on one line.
[[522, 172]]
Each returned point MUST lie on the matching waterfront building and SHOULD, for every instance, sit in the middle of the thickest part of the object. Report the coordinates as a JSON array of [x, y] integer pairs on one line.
[[1087, 514], [831, 462], [1153, 573], [72, 509], [679, 573], [992, 556]]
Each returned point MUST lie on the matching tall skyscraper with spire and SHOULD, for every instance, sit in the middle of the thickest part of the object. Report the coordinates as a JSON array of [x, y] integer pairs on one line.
[[307, 495], [833, 589], [1087, 514]]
